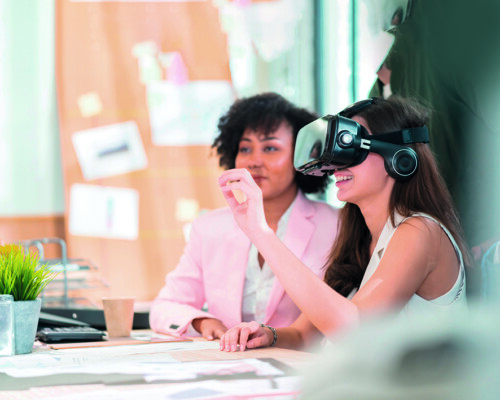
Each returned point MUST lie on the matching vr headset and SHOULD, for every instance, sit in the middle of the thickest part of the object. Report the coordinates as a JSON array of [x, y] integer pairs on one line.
[[336, 142]]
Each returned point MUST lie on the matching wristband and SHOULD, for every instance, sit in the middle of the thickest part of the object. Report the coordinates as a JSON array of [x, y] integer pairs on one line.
[[275, 335]]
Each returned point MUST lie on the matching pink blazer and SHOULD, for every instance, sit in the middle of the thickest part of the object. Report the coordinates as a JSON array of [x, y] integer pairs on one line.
[[211, 271]]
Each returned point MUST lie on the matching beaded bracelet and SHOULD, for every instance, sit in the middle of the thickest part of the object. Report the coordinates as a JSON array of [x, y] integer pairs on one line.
[[275, 335]]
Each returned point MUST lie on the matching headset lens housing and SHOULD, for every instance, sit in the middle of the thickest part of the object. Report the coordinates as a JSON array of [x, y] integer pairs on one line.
[[311, 147]]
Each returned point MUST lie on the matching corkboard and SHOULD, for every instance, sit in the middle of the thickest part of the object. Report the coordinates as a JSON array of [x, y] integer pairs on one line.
[[93, 54]]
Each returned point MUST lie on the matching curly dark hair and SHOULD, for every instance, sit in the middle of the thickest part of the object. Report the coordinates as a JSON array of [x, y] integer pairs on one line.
[[264, 112]]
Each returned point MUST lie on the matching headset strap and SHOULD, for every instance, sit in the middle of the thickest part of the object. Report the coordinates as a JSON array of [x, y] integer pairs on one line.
[[405, 136]]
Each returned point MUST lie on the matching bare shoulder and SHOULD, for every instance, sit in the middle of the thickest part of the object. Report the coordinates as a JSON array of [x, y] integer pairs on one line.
[[419, 239], [423, 239], [418, 259], [434, 252], [420, 227]]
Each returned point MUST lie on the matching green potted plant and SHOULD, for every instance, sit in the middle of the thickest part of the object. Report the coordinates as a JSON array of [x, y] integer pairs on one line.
[[23, 277]]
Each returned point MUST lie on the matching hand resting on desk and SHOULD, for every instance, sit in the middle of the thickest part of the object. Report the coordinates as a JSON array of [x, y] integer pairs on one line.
[[210, 328], [248, 335]]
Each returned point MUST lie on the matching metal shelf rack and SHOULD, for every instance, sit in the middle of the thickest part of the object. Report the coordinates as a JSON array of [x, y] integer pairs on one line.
[[74, 274]]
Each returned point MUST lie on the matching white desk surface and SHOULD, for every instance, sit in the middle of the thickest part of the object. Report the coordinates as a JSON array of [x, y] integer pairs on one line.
[[59, 383]]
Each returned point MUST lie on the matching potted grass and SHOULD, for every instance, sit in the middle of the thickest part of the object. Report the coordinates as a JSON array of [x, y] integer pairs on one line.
[[23, 277]]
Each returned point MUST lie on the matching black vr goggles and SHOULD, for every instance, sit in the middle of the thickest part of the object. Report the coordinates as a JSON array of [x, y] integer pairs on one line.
[[336, 142]]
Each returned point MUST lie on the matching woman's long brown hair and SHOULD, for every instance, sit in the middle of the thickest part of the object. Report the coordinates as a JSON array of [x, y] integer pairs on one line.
[[425, 192]]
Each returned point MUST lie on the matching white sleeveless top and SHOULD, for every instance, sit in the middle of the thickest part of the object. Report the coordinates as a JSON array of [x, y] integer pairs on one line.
[[455, 298]]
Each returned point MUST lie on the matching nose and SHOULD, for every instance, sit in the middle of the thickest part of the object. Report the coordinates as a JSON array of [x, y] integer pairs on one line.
[[255, 160]]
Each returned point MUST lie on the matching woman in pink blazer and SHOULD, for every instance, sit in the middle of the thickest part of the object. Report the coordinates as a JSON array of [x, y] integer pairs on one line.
[[221, 279]]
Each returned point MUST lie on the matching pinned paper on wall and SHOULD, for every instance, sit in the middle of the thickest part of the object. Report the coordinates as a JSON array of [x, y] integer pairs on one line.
[[147, 58], [109, 150], [186, 209], [103, 211], [263, 20], [187, 114], [176, 70], [181, 112], [90, 104]]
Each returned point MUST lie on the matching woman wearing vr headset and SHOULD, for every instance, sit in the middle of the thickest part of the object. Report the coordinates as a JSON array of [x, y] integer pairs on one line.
[[400, 246], [220, 268]]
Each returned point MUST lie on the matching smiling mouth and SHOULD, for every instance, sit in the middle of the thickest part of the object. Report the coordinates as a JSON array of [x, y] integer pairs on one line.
[[342, 178]]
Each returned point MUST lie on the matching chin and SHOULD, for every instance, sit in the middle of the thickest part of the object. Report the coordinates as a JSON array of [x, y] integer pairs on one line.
[[346, 199]]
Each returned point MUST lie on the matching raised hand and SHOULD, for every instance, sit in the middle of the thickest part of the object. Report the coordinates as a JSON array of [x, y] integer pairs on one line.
[[247, 335], [249, 213]]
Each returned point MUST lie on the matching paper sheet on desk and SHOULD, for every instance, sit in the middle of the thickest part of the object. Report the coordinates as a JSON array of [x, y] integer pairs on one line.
[[141, 359], [153, 362], [200, 369], [287, 387], [57, 363]]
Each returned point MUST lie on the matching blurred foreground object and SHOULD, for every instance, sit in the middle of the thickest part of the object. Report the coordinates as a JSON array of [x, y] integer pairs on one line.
[[450, 357], [443, 56], [490, 275]]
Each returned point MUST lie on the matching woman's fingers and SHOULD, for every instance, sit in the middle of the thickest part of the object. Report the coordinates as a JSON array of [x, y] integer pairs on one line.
[[234, 176], [238, 336], [233, 338], [225, 341], [258, 341], [234, 186], [244, 333], [248, 212], [228, 194], [218, 333]]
